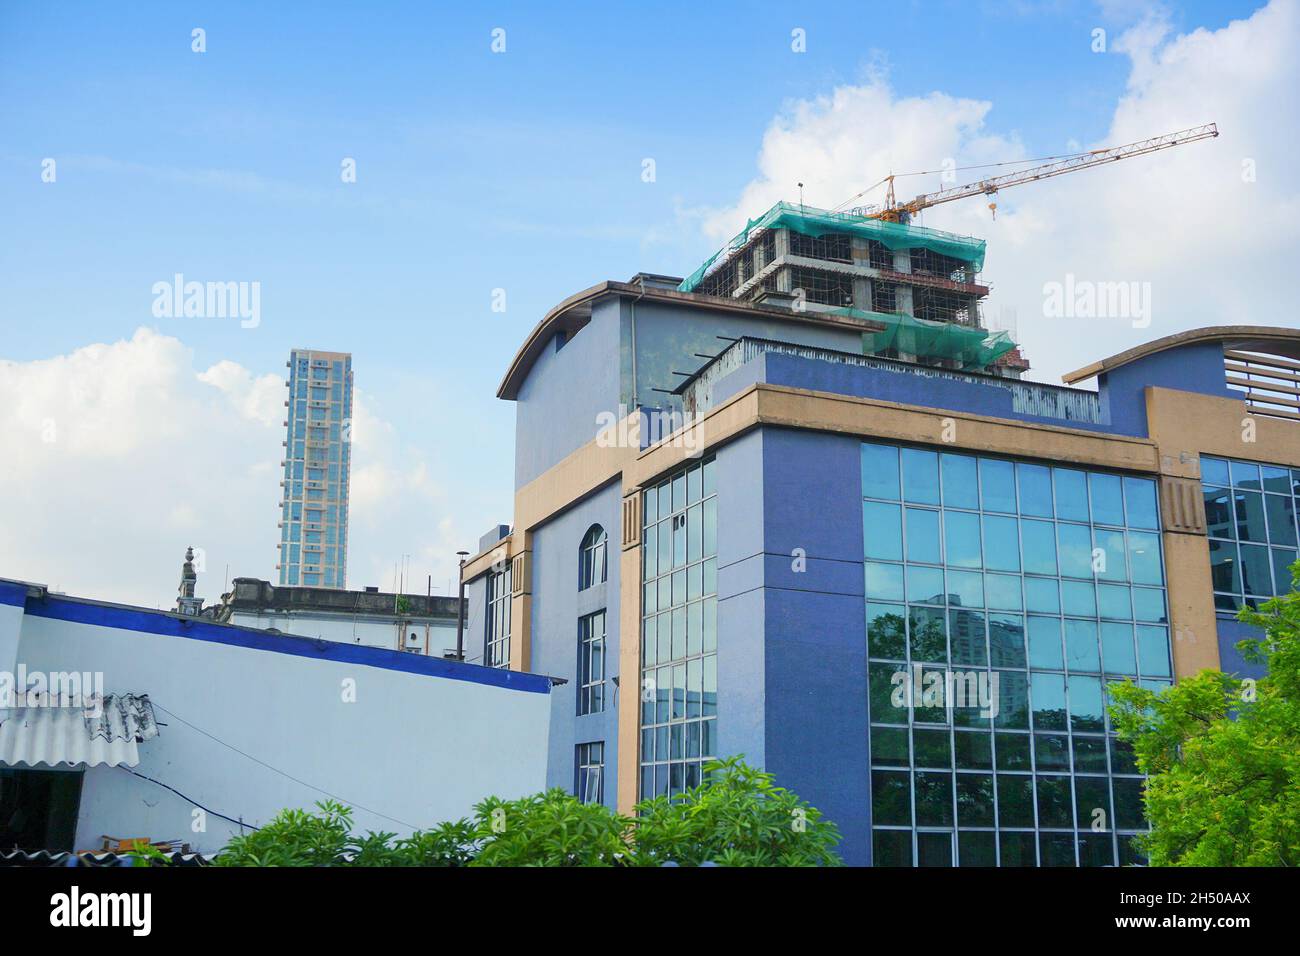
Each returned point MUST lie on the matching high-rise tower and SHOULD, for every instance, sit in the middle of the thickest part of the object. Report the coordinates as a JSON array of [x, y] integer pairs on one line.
[[317, 468]]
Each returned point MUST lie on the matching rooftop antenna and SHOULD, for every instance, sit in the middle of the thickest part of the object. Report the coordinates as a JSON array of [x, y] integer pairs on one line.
[[801, 196]]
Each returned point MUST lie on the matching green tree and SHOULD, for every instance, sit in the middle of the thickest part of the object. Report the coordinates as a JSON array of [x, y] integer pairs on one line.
[[1223, 754]]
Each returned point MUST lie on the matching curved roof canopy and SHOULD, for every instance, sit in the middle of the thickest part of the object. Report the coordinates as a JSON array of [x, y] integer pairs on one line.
[[1266, 339]]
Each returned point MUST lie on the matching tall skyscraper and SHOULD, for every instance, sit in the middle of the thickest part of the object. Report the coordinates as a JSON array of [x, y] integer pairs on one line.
[[317, 470]]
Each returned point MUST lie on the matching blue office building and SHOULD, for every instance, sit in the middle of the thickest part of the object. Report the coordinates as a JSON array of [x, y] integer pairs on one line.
[[802, 506]]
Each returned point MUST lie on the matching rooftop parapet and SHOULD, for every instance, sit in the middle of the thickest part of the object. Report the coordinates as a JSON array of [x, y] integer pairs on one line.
[[1072, 406]]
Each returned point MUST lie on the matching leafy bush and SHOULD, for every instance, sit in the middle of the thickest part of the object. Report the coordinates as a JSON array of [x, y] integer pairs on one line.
[[303, 838], [549, 829], [738, 817], [448, 844], [295, 838]]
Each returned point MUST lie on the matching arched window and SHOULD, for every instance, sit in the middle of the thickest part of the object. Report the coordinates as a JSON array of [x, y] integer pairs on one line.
[[591, 558]]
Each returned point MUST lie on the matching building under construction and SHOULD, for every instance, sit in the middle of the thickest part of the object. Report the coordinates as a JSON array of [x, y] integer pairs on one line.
[[922, 285]]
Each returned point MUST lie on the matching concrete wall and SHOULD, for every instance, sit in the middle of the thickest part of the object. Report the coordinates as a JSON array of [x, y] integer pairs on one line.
[[557, 605], [253, 724], [1190, 368], [668, 338], [558, 404]]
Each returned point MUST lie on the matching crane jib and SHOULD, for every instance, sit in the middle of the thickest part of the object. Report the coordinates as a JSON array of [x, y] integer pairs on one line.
[[1068, 164]]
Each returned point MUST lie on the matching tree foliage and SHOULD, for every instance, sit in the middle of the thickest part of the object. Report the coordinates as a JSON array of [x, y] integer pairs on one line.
[[738, 817], [549, 829], [1223, 754], [325, 838]]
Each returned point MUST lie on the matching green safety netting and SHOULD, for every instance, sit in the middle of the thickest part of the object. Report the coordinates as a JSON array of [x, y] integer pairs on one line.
[[818, 222], [973, 348]]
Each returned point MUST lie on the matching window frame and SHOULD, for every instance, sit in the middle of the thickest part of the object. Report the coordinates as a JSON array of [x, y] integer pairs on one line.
[[591, 686], [593, 558], [589, 764], [496, 627], [1225, 539]]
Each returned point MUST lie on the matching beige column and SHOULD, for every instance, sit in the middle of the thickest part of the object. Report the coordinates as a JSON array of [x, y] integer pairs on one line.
[[1192, 626], [629, 653], [521, 601]]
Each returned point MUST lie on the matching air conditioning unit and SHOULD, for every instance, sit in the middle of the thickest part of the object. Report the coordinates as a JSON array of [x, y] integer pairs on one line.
[[413, 639]]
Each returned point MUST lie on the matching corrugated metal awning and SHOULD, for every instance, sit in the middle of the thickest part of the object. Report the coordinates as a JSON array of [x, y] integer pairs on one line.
[[51, 858], [106, 734]]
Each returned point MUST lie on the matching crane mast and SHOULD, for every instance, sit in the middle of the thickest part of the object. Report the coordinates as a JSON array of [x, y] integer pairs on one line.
[[894, 211]]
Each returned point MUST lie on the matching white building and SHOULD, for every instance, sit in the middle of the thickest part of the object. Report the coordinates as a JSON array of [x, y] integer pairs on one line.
[[244, 723], [417, 623]]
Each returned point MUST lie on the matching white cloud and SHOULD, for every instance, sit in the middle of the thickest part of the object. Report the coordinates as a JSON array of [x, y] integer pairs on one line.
[[394, 487], [841, 143], [260, 400], [1215, 247], [118, 456]]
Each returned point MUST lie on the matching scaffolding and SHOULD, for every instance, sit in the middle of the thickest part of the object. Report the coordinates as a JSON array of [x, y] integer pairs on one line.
[[930, 312], [884, 296], [822, 287], [817, 223], [832, 247], [721, 282], [941, 305], [928, 263], [879, 256]]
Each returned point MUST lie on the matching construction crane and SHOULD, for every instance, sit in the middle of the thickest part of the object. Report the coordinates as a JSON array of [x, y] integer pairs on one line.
[[894, 211]]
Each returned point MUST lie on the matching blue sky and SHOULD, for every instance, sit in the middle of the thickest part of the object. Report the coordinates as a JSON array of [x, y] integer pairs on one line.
[[475, 170]]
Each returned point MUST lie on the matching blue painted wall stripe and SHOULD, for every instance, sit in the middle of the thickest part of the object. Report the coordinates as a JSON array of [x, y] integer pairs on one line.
[[12, 593]]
